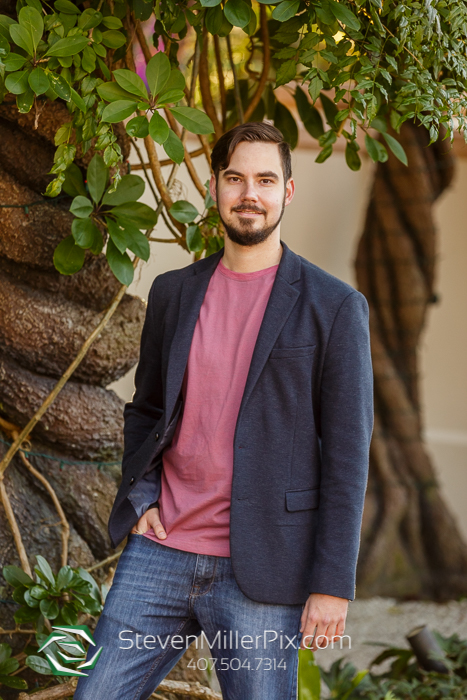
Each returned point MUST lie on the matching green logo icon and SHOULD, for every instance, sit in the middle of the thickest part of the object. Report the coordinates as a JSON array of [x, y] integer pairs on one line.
[[63, 638]]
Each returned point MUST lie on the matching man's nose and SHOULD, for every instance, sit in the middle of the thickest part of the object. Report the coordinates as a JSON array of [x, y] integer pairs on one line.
[[249, 192]]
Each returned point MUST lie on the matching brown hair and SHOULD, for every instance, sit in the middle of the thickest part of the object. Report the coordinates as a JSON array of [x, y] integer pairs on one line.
[[251, 131]]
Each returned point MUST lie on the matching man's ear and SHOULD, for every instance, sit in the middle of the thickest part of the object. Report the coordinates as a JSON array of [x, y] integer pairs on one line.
[[213, 187], [289, 191]]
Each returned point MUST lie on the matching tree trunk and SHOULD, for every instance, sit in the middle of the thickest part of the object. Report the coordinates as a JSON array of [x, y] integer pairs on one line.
[[44, 319], [411, 546]]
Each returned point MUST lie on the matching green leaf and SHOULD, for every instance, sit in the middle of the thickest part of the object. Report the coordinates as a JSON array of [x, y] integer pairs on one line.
[[9, 666], [125, 236], [43, 567], [30, 600], [22, 38], [25, 101], [184, 211], [16, 576], [17, 83], [86, 233], [286, 72], [38, 664], [32, 21], [176, 81], [14, 682], [81, 207], [330, 109], [39, 592], [210, 3], [5, 24], [158, 128], [376, 150], [138, 243], [60, 86], [344, 15], [158, 72], [24, 615], [112, 22], [138, 127], [14, 62], [237, 12], [309, 115], [39, 81], [309, 680], [284, 121], [170, 96], [136, 214], [351, 157], [113, 39], [380, 124], [396, 148], [74, 183], [117, 233], [97, 176], [117, 111], [68, 47], [119, 263], [129, 189], [194, 239], [315, 87], [130, 82], [78, 100], [285, 10], [49, 609], [174, 147], [213, 19], [69, 614], [64, 577], [324, 154], [89, 18], [111, 92], [193, 120], [66, 7]]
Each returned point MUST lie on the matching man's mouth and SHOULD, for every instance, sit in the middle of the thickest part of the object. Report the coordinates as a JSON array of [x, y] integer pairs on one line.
[[248, 212]]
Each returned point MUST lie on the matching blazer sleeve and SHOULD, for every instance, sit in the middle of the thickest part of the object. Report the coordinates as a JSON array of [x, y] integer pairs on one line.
[[346, 407], [146, 406]]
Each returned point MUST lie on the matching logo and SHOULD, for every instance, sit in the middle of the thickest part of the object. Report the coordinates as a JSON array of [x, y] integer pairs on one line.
[[63, 638]]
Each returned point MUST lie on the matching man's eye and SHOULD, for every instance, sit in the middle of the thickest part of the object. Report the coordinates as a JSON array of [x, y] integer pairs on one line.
[[266, 180]]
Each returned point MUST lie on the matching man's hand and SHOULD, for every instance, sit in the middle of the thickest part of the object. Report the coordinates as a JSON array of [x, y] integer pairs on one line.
[[327, 614], [150, 519]]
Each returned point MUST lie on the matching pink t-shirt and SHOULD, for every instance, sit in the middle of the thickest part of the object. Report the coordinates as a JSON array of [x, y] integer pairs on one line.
[[197, 466]]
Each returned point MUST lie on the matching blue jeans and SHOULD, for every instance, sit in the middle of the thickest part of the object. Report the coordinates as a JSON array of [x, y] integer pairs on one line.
[[161, 600]]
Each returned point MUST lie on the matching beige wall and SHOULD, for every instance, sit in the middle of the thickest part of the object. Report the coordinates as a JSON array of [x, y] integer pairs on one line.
[[323, 224]]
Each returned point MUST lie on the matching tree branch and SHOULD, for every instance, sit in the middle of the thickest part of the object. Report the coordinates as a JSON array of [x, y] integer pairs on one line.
[[205, 87], [220, 75], [65, 533], [266, 63], [23, 557], [238, 97]]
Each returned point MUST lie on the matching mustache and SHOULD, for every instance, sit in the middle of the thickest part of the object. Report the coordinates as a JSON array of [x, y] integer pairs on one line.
[[245, 207]]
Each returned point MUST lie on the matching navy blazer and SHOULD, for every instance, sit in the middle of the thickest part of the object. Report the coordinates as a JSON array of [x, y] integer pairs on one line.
[[301, 444]]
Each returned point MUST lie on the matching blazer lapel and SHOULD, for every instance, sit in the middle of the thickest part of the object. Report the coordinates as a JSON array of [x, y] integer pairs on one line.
[[191, 298], [280, 304]]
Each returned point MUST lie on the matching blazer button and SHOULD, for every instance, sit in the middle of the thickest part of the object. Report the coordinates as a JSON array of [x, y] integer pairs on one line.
[[156, 437], [132, 479]]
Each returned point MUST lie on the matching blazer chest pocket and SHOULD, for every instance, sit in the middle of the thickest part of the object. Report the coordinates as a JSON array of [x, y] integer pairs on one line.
[[304, 499], [302, 351]]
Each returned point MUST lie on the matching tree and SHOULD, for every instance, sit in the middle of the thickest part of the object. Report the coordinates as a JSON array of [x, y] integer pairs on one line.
[[72, 98]]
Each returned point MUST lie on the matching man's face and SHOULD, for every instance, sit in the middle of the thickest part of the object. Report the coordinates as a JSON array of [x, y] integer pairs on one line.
[[251, 193]]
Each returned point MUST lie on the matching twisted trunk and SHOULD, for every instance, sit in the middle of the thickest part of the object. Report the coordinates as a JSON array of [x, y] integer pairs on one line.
[[410, 544]]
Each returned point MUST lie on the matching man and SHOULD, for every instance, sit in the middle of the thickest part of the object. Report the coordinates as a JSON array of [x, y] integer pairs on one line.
[[246, 453]]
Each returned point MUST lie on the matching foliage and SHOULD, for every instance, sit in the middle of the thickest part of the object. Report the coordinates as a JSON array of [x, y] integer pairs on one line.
[[7, 667], [405, 679], [369, 64], [58, 599]]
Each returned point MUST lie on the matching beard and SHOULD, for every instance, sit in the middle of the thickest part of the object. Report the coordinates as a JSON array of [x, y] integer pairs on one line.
[[245, 234]]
